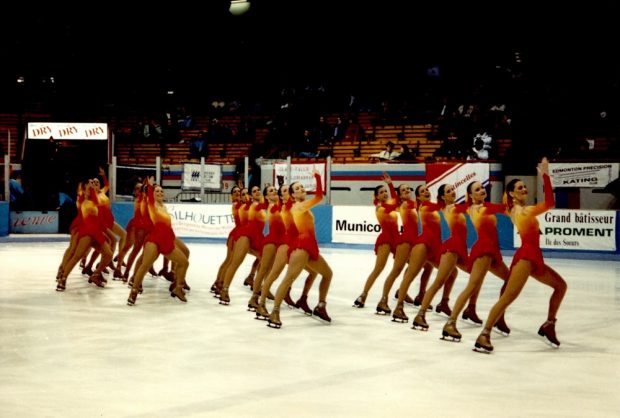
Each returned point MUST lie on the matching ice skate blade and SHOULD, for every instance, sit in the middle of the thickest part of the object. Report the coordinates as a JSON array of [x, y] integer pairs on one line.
[[321, 320], [250, 309], [400, 320], [549, 343], [480, 349], [261, 318], [383, 313], [419, 327], [502, 333], [450, 339], [224, 303], [275, 326]]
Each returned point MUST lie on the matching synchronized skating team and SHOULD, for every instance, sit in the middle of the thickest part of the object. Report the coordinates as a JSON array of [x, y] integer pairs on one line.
[[292, 240]]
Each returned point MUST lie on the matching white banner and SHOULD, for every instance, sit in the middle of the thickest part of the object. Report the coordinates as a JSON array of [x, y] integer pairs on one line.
[[31, 222], [355, 224], [207, 221], [67, 130], [565, 229], [457, 174], [583, 174], [301, 173], [192, 177]]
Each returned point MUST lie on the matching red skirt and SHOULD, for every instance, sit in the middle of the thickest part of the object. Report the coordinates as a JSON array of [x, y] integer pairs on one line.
[[163, 236], [533, 254]]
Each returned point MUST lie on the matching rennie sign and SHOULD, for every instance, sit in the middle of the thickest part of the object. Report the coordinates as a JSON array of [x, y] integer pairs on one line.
[[31, 222]]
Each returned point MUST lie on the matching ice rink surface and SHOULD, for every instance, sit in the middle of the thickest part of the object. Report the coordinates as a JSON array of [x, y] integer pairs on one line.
[[85, 353]]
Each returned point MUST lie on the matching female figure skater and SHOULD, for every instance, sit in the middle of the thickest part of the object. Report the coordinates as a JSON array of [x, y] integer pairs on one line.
[[484, 256], [161, 240], [528, 260], [453, 254], [386, 206], [305, 251]]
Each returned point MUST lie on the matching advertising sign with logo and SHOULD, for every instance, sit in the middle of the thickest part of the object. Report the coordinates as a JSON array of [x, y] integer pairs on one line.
[[193, 176], [207, 221], [31, 222], [301, 173], [564, 229], [355, 225], [457, 174], [583, 174]]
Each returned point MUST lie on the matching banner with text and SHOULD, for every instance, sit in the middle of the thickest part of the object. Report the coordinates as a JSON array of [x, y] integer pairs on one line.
[[457, 174], [564, 229], [583, 174], [301, 173], [193, 176], [66, 131], [355, 225], [207, 221], [31, 222]]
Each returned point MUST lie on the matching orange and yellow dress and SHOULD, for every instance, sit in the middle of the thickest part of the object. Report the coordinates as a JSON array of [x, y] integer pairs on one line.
[[529, 230]]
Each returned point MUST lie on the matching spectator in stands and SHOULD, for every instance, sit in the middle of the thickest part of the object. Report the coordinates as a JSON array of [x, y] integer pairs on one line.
[[480, 150], [198, 146], [308, 146], [339, 130], [482, 147], [451, 147], [354, 131], [323, 131], [388, 153], [405, 154], [17, 195]]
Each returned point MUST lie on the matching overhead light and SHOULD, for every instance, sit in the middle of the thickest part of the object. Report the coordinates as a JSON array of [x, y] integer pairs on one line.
[[239, 7]]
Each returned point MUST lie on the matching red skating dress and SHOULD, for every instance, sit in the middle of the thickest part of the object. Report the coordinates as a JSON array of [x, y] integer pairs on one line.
[[304, 221], [77, 221], [277, 229], [105, 209], [409, 217], [91, 224], [162, 234], [243, 214], [527, 225], [147, 223], [431, 229], [232, 235], [136, 221], [457, 243], [485, 223], [256, 225], [289, 223], [387, 216]]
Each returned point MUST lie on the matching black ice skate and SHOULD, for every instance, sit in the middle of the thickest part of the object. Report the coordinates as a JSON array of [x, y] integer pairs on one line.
[[274, 318], [419, 322], [383, 308], [399, 315], [547, 330], [320, 312], [360, 301], [483, 343], [224, 298], [470, 314], [450, 333], [302, 303], [443, 307], [501, 326]]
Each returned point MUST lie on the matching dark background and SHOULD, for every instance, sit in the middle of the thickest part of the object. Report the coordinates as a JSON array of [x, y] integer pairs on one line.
[[115, 55]]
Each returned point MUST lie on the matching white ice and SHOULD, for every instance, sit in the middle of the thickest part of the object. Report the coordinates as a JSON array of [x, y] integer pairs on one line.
[[85, 353]]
